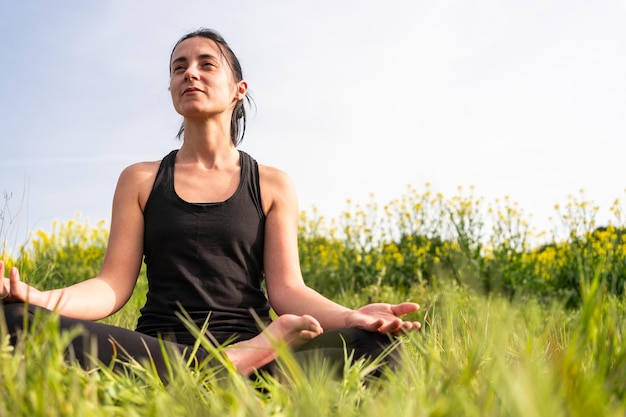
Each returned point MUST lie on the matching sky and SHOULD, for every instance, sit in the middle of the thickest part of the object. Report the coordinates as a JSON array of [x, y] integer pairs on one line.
[[525, 99]]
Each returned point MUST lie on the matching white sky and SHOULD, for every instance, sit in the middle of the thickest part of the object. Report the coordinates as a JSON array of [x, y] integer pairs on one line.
[[519, 98]]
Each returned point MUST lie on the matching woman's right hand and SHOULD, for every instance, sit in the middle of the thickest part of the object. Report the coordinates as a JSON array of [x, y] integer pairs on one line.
[[12, 289]]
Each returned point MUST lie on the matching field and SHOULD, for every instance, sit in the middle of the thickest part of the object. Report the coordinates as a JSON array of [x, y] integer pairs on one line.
[[515, 322]]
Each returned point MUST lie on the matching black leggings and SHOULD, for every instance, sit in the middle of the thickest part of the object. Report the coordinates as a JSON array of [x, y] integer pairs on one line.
[[109, 342]]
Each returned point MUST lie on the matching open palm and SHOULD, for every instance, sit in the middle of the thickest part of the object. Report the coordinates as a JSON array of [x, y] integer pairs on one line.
[[384, 318]]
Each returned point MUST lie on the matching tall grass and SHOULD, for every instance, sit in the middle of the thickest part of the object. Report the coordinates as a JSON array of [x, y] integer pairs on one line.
[[475, 356], [510, 328]]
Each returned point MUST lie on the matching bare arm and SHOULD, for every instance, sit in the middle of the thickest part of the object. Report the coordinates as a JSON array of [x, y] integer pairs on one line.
[[286, 289], [105, 294]]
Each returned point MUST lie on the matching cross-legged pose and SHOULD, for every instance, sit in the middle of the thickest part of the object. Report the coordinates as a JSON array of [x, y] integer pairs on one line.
[[211, 224]]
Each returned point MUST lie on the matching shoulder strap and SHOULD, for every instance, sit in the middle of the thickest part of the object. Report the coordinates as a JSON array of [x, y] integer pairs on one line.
[[250, 169], [163, 177]]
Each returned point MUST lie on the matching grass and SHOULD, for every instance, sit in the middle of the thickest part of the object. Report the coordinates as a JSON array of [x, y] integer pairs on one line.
[[508, 329], [475, 356]]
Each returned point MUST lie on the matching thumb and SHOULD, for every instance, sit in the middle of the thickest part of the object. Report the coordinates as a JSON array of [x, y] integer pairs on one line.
[[14, 275], [15, 285], [404, 308]]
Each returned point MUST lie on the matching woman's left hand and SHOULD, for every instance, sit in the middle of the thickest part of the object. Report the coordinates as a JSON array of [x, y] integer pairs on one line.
[[384, 318]]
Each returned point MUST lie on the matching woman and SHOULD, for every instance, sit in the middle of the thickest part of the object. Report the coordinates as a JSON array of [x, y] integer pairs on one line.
[[210, 224]]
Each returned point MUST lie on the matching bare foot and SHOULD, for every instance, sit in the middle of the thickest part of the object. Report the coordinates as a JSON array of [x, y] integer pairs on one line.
[[289, 329]]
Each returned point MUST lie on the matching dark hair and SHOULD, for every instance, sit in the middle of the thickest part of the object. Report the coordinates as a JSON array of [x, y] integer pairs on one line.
[[239, 117]]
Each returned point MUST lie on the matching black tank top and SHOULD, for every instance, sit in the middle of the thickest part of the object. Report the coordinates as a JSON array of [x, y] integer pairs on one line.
[[204, 258]]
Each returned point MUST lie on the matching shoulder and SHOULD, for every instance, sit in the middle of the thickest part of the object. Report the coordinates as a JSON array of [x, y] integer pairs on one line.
[[140, 171], [274, 176], [144, 170], [137, 180], [277, 187]]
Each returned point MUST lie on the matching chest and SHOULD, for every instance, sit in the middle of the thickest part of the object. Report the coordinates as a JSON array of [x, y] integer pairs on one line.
[[205, 186]]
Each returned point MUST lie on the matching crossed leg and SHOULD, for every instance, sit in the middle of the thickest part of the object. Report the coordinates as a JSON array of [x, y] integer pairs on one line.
[[118, 346], [106, 343]]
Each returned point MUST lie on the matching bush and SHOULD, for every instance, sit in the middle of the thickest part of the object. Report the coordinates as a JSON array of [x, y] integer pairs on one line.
[[426, 238]]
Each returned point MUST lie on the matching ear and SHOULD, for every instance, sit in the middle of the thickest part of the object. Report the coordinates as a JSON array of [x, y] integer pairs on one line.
[[242, 89]]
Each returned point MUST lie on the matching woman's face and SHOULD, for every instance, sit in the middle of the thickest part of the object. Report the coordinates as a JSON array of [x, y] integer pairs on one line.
[[201, 80]]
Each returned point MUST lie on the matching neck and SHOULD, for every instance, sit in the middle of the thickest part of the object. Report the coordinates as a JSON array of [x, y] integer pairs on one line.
[[208, 142]]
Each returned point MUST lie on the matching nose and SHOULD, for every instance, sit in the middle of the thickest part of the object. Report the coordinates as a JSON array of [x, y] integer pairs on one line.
[[191, 73]]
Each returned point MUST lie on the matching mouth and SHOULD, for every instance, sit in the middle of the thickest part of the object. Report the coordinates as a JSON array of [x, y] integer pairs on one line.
[[191, 90]]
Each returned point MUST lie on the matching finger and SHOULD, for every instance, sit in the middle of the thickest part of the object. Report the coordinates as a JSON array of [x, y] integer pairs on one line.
[[392, 326], [371, 326], [404, 308], [416, 325], [14, 275], [14, 281], [4, 290], [411, 325], [405, 327], [3, 293]]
